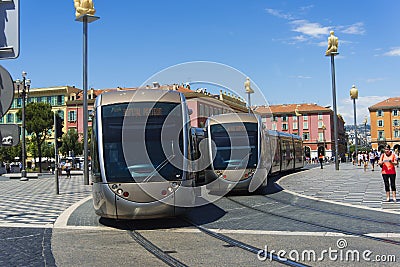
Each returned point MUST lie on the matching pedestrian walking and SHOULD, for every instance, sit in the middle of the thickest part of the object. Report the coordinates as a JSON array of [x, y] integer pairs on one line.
[[388, 162], [68, 168], [371, 156], [321, 159]]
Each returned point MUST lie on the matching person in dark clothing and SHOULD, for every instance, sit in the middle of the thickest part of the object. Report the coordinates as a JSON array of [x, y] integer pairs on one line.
[[321, 159]]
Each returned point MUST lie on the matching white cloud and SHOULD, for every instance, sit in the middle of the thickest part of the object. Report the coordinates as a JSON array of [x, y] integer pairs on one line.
[[346, 108], [356, 28], [372, 80], [279, 14], [393, 52], [309, 28]]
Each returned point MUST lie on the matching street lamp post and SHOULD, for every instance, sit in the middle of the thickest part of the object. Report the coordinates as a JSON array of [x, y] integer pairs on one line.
[[365, 131], [85, 14], [298, 114], [323, 134], [333, 43], [24, 85], [354, 96], [249, 91]]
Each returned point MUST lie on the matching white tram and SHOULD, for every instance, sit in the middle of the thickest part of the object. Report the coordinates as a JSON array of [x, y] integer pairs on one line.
[[141, 151]]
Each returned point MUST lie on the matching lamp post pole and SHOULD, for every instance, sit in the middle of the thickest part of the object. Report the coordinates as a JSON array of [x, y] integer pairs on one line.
[[333, 43], [354, 96], [365, 131], [25, 85], [249, 91], [298, 114], [56, 155], [323, 136], [85, 19]]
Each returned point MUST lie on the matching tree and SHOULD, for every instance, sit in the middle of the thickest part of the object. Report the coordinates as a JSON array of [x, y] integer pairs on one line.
[[10, 153], [70, 142], [38, 123]]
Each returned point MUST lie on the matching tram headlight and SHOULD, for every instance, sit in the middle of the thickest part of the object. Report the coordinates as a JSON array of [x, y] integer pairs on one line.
[[114, 186], [120, 191]]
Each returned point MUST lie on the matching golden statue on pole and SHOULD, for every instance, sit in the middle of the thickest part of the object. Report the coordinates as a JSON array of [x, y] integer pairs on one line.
[[333, 43], [247, 87], [84, 7]]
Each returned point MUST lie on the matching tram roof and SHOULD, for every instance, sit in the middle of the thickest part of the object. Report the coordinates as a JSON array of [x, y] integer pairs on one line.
[[282, 134], [140, 95], [232, 117]]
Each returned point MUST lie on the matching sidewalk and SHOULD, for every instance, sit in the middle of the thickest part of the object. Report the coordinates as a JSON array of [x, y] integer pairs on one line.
[[350, 185], [34, 203]]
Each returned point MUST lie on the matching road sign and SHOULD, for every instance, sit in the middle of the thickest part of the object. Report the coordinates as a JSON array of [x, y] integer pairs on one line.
[[9, 29], [6, 91], [9, 134]]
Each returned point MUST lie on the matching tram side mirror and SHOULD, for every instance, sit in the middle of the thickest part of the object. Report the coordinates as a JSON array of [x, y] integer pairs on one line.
[[190, 111]]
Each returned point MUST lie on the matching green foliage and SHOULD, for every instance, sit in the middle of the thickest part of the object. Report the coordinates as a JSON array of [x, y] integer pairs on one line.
[[70, 142], [38, 123], [8, 154]]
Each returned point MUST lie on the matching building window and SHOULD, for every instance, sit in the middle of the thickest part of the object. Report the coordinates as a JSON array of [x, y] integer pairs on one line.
[[294, 118], [396, 133], [395, 112], [90, 115], [395, 122], [379, 113], [305, 117], [306, 136], [320, 124], [305, 125], [380, 123], [320, 137], [201, 110], [319, 116], [10, 118], [381, 135], [60, 100], [274, 126], [72, 115], [274, 118], [61, 114], [284, 117], [264, 119], [294, 125], [284, 126]]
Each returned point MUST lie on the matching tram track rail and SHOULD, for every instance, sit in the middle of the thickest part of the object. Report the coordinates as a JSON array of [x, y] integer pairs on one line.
[[239, 244], [384, 240], [154, 250], [171, 261]]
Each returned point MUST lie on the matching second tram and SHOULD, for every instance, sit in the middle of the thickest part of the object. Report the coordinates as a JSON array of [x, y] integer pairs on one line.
[[243, 152]]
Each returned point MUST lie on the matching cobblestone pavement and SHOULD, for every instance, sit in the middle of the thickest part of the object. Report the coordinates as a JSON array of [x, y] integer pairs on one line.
[[350, 185], [35, 202]]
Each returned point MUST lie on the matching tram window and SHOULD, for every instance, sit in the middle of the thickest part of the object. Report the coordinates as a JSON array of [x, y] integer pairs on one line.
[[148, 128]]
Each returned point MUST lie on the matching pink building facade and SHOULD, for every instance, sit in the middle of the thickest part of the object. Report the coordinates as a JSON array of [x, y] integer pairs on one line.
[[310, 121]]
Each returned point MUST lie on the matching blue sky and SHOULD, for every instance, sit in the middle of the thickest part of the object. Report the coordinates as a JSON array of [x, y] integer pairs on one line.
[[280, 45]]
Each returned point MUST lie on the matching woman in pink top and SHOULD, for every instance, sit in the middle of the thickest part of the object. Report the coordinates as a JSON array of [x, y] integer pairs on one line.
[[387, 162]]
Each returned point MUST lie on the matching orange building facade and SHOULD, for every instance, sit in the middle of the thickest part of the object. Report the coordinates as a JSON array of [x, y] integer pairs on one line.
[[385, 123]]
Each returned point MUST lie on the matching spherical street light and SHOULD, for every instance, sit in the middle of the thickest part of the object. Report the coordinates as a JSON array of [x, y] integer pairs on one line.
[[354, 96]]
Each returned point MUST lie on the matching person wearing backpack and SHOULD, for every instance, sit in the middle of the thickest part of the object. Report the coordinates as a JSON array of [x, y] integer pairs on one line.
[[388, 164]]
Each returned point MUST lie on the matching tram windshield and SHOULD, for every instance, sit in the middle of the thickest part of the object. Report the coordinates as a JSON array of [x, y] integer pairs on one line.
[[142, 142], [235, 145]]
